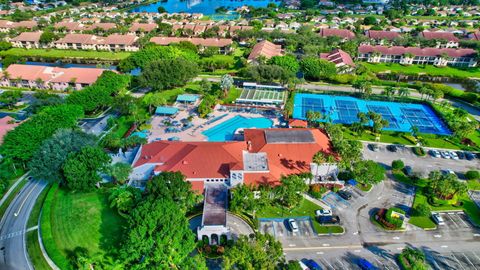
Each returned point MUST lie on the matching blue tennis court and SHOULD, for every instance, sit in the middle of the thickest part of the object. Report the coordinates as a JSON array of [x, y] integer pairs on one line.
[[344, 110]]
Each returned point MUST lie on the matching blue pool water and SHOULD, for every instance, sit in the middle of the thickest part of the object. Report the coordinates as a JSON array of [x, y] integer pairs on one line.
[[344, 110], [206, 7], [225, 131]]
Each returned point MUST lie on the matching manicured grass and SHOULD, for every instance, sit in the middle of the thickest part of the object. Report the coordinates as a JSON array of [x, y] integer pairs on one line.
[[473, 184], [327, 229], [171, 95], [79, 220], [35, 253], [427, 69], [59, 54], [306, 208], [123, 125], [37, 208], [386, 137], [422, 222], [232, 95]]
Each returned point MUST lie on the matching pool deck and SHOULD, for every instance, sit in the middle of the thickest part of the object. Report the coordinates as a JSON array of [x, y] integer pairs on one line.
[[194, 133]]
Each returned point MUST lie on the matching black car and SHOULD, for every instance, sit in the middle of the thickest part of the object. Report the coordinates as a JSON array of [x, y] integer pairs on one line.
[[460, 155], [345, 194], [392, 148], [329, 219], [469, 156], [373, 147]]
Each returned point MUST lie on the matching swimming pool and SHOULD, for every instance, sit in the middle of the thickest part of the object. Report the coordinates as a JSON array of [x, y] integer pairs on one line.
[[344, 110], [225, 131]]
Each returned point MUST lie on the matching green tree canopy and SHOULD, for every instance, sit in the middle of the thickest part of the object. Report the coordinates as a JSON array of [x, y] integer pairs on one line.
[[368, 172], [316, 69], [120, 171], [48, 160], [289, 193], [262, 252], [173, 185], [81, 170], [168, 73], [21, 143], [287, 62]]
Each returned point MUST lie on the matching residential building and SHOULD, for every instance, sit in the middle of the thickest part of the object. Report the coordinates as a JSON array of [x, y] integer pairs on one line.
[[445, 39], [262, 158], [140, 29], [418, 56], [117, 42], [265, 49], [6, 26], [344, 34], [27, 40], [77, 42], [223, 44], [342, 60], [46, 77], [114, 42], [380, 37]]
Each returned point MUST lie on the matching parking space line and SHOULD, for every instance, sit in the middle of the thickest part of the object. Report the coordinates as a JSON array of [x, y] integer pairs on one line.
[[328, 264], [458, 262], [468, 260], [461, 217], [453, 221], [476, 256], [444, 260], [341, 263]]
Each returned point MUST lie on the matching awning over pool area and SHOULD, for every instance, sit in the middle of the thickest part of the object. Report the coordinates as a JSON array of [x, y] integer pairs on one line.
[[164, 110], [187, 98]]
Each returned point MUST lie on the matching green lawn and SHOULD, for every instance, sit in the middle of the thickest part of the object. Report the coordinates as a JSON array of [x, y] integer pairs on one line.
[[422, 222], [72, 221], [386, 137], [59, 54], [306, 208], [232, 95], [427, 69], [473, 184]]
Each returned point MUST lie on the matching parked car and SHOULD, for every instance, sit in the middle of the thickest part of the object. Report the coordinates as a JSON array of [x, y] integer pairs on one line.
[[453, 155], [444, 154], [323, 212], [447, 171], [438, 219], [461, 155], [329, 219], [434, 153], [392, 148], [365, 265], [469, 155], [303, 266], [345, 194], [408, 170], [293, 225], [373, 147], [313, 265]]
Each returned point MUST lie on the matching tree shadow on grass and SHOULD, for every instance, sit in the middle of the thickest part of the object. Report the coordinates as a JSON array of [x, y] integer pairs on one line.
[[112, 227]]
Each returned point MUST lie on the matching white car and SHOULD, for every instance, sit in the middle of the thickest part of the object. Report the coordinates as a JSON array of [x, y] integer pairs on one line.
[[293, 225], [445, 154], [323, 212], [438, 219], [453, 155], [434, 153]]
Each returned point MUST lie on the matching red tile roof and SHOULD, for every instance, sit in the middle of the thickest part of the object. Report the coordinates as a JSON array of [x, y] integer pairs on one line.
[[28, 37], [297, 123], [117, 39], [145, 27], [54, 74], [439, 35], [216, 159], [337, 57], [207, 42], [265, 48], [342, 33], [79, 38], [377, 34], [398, 50], [71, 26]]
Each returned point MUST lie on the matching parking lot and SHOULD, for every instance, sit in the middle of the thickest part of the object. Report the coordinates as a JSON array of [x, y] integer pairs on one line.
[[423, 164], [454, 260], [455, 221], [334, 200], [281, 230]]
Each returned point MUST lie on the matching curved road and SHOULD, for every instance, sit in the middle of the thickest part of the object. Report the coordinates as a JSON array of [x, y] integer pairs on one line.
[[13, 253]]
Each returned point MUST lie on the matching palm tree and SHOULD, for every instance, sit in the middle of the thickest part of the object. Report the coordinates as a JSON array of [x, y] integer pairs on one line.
[[389, 92], [319, 158], [226, 83], [414, 130], [403, 92], [313, 116]]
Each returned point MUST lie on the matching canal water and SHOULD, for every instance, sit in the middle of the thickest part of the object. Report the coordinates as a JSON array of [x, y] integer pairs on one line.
[[207, 7]]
